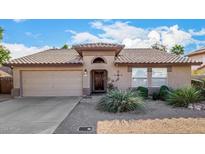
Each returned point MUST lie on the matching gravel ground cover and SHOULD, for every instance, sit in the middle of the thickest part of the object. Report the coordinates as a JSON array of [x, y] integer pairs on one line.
[[86, 115], [156, 126]]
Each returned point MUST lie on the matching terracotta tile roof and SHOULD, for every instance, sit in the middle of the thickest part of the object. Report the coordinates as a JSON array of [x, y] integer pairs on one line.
[[151, 56], [98, 46], [51, 56], [197, 52], [126, 56]]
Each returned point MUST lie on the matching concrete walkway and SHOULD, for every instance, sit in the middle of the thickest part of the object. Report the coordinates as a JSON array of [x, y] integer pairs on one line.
[[34, 115], [5, 97]]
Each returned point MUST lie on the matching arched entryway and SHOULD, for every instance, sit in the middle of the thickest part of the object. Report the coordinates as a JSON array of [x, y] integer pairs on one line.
[[98, 60], [98, 81]]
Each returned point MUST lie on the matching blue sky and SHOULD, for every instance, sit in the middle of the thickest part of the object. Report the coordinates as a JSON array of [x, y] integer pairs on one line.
[[25, 37]]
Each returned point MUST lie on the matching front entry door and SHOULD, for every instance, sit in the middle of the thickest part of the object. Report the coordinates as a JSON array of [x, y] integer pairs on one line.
[[99, 81]]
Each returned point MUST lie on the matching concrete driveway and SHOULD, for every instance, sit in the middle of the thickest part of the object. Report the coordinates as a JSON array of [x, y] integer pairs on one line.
[[34, 115]]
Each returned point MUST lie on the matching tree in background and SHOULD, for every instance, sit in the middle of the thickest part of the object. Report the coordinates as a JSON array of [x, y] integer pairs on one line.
[[4, 52], [177, 49], [65, 46], [1, 34], [160, 47]]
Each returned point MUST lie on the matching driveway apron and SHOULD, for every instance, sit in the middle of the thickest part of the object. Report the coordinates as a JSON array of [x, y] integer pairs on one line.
[[34, 115]]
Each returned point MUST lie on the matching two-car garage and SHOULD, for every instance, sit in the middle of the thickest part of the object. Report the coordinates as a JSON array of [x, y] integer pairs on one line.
[[51, 83]]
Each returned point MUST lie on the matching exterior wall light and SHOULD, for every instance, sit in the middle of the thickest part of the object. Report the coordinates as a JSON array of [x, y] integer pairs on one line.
[[85, 72]]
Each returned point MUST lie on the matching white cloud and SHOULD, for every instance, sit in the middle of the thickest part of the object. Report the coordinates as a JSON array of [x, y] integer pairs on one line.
[[133, 43], [86, 37], [174, 36], [32, 35], [19, 50], [154, 36], [133, 36], [119, 30], [199, 43], [19, 20], [113, 33], [168, 36], [70, 31], [197, 33]]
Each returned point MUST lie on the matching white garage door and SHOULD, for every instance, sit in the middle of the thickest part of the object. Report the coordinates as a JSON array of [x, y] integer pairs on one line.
[[52, 83]]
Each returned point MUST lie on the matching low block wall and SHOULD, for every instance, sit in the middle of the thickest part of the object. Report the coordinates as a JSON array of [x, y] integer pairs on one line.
[[6, 85]]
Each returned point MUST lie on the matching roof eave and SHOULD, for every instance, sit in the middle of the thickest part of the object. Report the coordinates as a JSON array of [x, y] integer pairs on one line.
[[178, 64], [42, 64]]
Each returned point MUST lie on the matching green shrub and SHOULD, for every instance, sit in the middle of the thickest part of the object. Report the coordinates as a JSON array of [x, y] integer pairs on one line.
[[197, 83], [155, 96], [184, 96], [110, 87], [202, 92], [136, 92], [163, 92], [141, 91], [120, 101]]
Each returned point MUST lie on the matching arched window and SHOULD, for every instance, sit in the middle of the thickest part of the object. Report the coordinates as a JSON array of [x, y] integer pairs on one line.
[[98, 60]]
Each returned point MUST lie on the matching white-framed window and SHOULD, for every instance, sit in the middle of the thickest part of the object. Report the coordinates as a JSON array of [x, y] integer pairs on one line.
[[159, 77], [139, 77]]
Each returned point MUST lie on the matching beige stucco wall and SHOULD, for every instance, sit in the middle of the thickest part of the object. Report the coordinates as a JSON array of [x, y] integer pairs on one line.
[[180, 76], [125, 80]]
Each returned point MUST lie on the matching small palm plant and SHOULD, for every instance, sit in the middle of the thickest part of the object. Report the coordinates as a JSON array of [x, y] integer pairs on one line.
[[120, 101], [177, 49], [184, 96]]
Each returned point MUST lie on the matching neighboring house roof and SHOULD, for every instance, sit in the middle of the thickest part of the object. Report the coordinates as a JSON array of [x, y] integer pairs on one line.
[[201, 67], [4, 74], [98, 47], [197, 52], [126, 56], [5, 71]]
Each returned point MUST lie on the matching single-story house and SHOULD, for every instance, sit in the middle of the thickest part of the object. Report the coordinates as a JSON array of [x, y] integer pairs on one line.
[[90, 68], [198, 55]]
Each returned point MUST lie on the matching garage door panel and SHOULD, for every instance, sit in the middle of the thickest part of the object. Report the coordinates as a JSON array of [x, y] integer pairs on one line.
[[52, 83]]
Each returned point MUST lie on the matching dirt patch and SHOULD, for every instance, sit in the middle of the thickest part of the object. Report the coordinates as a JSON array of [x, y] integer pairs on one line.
[[157, 126]]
